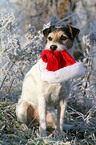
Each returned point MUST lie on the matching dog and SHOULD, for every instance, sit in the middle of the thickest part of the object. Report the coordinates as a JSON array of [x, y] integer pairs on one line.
[[38, 98]]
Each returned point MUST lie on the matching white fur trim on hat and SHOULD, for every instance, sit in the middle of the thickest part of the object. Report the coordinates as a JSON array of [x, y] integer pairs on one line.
[[62, 75]]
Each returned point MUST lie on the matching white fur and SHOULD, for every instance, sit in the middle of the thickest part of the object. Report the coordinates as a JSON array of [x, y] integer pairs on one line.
[[60, 47]]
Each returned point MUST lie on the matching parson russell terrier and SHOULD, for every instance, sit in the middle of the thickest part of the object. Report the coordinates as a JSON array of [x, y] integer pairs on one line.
[[39, 97]]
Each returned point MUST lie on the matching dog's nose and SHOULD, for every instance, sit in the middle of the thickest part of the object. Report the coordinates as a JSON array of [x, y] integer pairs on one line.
[[53, 47]]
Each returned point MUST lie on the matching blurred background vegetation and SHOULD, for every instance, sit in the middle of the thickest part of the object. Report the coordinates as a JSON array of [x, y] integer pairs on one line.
[[39, 12]]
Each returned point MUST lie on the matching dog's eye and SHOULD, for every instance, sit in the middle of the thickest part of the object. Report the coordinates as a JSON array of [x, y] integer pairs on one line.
[[63, 37], [50, 38]]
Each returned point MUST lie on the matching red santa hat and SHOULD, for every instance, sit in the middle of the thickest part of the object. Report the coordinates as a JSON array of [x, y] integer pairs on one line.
[[59, 66]]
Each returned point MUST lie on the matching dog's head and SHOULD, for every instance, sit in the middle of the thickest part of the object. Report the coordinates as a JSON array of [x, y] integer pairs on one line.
[[61, 38]]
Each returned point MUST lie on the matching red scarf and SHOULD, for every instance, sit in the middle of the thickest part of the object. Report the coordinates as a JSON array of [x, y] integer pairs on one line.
[[56, 59]]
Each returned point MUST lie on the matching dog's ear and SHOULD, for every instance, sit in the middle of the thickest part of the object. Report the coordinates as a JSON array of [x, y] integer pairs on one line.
[[48, 30], [73, 31]]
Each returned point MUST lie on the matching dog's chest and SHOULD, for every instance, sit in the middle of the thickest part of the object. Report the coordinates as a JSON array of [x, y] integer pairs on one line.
[[53, 93]]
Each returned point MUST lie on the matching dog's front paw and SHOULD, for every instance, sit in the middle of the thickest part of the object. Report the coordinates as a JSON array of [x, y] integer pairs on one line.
[[58, 134], [43, 132]]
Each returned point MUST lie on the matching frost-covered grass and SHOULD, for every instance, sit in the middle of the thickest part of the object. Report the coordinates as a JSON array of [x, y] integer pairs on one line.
[[79, 127], [80, 117]]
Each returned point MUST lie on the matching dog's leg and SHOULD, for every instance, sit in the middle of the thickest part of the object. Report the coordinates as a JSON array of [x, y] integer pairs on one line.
[[63, 104], [21, 111], [42, 116], [26, 113], [60, 114]]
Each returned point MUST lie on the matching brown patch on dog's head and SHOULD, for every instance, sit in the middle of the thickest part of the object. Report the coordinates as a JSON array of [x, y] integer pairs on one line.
[[73, 31], [70, 31], [48, 30]]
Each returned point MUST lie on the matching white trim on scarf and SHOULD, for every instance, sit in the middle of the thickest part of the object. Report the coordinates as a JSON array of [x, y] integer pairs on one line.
[[62, 75]]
